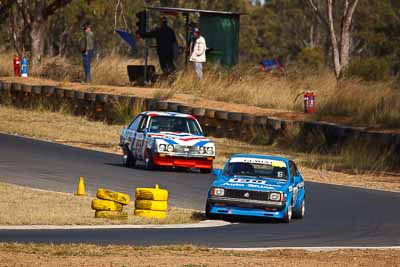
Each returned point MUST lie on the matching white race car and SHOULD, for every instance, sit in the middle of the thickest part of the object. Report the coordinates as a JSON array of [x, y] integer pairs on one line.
[[171, 139]]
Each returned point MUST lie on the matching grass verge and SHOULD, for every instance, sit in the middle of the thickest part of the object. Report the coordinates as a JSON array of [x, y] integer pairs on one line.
[[185, 255], [27, 206]]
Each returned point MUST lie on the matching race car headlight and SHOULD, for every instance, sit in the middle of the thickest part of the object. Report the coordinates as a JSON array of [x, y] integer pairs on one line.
[[210, 150], [216, 191], [162, 147], [170, 148], [202, 150], [275, 196]]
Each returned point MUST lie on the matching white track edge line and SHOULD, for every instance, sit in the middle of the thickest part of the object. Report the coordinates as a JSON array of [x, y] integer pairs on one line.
[[313, 249], [202, 224]]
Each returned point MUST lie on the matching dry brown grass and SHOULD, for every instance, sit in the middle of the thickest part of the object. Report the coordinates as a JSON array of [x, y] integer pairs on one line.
[[6, 64], [58, 127], [112, 70], [184, 255], [368, 104], [258, 89], [77, 131], [58, 69], [27, 206]]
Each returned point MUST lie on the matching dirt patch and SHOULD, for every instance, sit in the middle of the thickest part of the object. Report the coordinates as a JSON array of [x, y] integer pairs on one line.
[[27, 206], [90, 255]]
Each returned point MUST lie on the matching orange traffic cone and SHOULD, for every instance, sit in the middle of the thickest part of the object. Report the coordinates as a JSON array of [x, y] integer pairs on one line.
[[81, 187]]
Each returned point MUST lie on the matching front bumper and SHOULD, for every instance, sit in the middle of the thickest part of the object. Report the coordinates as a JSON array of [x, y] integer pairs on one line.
[[247, 207], [185, 162]]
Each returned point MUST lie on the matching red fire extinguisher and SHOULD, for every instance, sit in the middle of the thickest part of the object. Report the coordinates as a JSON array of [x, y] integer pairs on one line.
[[309, 102], [17, 66]]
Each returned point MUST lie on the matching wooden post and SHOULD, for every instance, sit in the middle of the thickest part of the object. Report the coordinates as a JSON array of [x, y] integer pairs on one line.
[[187, 41], [146, 50]]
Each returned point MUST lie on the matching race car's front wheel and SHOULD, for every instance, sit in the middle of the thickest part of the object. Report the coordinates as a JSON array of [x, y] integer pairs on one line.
[[299, 212], [127, 158], [288, 214], [148, 161], [210, 215]]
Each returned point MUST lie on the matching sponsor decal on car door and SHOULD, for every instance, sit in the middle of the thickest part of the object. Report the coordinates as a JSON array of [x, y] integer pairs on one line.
[[130, 132], [140, 139]]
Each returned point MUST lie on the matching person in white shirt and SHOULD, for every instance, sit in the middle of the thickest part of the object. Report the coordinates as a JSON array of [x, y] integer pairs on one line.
[[198, 52]]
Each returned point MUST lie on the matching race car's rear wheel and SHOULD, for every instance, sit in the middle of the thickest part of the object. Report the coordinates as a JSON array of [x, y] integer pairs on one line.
[[288, 214], [299, 213], [127, 159]]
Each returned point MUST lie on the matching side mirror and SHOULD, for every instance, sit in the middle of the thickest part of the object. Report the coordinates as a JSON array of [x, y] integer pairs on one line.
[[216, 172]]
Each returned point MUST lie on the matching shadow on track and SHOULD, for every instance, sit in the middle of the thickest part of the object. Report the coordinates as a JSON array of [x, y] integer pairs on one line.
[[159, 169]]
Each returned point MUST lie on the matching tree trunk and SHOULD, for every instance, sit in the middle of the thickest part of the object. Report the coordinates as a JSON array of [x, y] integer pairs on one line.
[[346, 33], [37, 35], [50, 46], [332, 34], [340, 49]]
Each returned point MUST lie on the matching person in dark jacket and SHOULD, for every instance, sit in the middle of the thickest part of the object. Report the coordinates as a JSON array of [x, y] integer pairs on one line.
[[87, 49], [166, 45]]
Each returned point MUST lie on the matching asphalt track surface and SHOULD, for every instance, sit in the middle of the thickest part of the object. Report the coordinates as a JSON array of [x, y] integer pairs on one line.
[[336, 215]]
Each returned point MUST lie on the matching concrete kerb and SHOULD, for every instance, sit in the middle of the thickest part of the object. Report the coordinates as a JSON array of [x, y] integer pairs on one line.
[[202, 224]]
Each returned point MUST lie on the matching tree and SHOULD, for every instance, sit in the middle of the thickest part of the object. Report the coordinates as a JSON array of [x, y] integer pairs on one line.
[[340, 47], [35, 15]]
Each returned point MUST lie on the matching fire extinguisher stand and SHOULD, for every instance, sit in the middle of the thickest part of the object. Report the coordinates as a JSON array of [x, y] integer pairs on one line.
[[17, 66], [309, 102], [24, 67]]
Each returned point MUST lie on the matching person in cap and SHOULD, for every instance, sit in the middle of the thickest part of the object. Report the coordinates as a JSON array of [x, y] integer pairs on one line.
[[198, 53], [190, 41], [87, 49], [166, 44]]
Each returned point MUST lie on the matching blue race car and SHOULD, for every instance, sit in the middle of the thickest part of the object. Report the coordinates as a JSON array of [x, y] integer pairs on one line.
[[257, 185]]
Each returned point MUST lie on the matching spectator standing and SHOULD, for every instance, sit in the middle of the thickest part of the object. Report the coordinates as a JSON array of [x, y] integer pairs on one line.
[[87, 49], [198, 55], [190, 41], [166, 45]]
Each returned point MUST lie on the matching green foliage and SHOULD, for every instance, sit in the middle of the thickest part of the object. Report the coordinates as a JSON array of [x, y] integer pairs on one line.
[[369, 69], [310, 58], [284, 29]]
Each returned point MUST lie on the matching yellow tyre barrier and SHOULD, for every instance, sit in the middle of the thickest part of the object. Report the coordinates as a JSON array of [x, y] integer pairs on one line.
[[151, 205], [151, 214], [151, 194], [120, 215], [107, 205], [112, 195]]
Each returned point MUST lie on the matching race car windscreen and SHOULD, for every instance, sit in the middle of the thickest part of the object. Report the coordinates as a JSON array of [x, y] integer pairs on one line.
[[174, 124], [256, 170]]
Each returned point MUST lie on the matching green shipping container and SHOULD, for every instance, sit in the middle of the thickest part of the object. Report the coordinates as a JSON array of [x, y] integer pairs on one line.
[[222, 37]]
